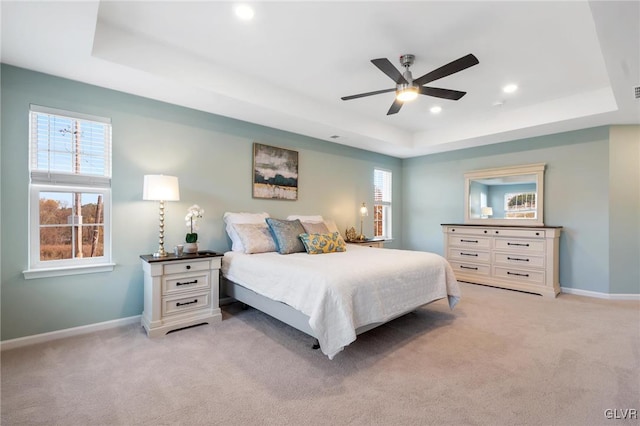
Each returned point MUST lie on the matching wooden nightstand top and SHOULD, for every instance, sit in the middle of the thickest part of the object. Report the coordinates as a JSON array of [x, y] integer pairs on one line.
[[202, 254]]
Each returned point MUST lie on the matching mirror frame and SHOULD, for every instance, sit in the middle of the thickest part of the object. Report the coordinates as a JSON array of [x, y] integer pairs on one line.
[[528, 169]]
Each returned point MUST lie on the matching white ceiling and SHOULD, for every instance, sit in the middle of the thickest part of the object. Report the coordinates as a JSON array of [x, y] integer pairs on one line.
[[576, 63]]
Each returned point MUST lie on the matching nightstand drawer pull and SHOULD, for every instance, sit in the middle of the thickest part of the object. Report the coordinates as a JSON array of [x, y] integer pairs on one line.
[[469, 241], [187, 303], [518, 259], [188, 266], [469, 254], [469, 267], [187, 282], [515, 273], [518, 244]]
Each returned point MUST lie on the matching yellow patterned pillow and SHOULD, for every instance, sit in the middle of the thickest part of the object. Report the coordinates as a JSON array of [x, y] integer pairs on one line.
[[323, 243]]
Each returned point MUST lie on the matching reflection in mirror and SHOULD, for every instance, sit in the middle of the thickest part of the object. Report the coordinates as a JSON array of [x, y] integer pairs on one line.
[[507, 196]]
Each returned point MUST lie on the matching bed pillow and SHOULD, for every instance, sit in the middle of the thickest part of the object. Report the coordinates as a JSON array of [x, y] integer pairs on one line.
[[323, 243], [311, 219], [255, 237], [286, 235], [331, 225], [315, 228], [231, 218]]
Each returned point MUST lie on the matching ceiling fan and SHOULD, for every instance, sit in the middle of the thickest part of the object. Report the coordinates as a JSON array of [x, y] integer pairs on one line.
[[408, 89]]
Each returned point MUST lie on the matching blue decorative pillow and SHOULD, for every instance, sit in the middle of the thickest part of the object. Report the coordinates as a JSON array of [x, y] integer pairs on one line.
[[285, 234], [323, 243]]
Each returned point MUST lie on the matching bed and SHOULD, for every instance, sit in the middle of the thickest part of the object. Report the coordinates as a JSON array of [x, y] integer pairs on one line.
[[335, 296]]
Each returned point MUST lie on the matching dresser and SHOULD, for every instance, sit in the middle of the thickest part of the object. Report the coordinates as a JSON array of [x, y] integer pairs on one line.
[[513, 257], [180, 291]]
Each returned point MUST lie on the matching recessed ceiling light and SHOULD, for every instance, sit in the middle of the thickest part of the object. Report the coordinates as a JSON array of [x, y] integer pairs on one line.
[[510, 88], [435, 109], [244, 12]]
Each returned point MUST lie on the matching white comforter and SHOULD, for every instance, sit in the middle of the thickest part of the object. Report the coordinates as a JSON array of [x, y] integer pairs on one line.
[[343, 291]]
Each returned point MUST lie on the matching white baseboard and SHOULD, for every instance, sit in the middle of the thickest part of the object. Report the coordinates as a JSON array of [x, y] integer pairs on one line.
[[68, 332], [596, 294]]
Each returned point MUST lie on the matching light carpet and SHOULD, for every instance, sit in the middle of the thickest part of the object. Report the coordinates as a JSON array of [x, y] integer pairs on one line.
[[499, 358]]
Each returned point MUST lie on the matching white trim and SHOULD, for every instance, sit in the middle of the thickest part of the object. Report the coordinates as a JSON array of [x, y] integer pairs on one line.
[[599, 295], [30, 274], [68, 114], [69, 332]]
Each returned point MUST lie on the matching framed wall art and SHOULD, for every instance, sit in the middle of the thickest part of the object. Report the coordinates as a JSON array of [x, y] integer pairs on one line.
[[275, 173]]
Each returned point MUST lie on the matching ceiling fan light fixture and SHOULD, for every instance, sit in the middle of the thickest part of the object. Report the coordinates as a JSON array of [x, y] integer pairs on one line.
[[408, 94]]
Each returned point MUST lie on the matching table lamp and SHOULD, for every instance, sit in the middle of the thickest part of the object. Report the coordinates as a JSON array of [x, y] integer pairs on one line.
[[161, 188], [363, 212]]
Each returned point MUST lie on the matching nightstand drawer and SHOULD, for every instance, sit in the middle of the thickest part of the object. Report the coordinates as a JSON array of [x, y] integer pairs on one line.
[[185, 282], [176, 305], [178, 268]]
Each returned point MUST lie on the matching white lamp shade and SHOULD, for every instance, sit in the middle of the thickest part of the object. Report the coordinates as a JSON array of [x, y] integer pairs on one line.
[[487, 211], [363, 210], [161, 188]]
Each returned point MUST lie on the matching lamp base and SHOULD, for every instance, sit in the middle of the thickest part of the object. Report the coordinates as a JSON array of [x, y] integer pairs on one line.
[[361, 237], [160, 254]]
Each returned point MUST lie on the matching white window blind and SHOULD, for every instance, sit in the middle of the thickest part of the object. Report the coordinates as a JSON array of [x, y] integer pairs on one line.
[[382, 186], [69, 148]]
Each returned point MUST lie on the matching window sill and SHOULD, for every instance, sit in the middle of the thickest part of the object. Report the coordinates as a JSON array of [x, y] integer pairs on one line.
[[68, 270]]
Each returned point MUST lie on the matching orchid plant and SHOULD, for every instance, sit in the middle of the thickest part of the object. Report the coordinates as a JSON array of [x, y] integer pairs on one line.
[[193, 214]]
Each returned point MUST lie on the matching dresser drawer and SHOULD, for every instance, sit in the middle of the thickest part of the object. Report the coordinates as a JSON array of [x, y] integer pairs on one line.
[[519, 275], [518, 233], [463, 255], [468, 231], [469, 241], [175, 305], [519, 245], [522, 260], [185, 282], [178, 268], [470, 268]]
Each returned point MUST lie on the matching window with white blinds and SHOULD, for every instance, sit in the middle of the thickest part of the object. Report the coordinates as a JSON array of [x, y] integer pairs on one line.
[[70, 193], [382, 188]]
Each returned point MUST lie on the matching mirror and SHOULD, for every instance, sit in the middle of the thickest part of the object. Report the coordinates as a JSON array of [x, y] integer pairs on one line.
[[505, 196]]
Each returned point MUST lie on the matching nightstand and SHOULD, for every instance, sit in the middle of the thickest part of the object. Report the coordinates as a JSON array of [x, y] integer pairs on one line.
[[373, 242], [180, 291]]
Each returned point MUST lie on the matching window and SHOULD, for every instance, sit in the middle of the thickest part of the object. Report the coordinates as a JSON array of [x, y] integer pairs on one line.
[[70, 193], [520, 205], [382, 203]]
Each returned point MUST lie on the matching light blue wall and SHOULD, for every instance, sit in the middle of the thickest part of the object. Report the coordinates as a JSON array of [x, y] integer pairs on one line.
[[212, 157], [576, 197]]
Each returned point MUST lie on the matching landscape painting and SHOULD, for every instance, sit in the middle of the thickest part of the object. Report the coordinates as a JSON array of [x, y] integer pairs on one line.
[[275, 173]]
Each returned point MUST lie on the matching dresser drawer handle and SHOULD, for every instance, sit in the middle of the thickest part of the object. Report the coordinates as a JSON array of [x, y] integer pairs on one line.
[[187, 303], [188, 266], [469, 241], [518, 244], [469, 267], [518, 259], [515, 273], [187, 282], [469, 254]]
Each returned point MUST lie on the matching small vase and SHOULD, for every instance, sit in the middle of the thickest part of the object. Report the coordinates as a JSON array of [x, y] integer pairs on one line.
[[191, 248]]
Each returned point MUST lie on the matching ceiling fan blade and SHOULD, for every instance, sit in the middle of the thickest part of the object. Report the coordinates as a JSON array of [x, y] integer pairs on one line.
[[362, 95], [395, 107], [454, 95], [387, 67], [448, 69]]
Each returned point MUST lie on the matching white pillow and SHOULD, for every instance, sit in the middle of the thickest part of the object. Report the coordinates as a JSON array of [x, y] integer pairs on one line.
[[310, 219], [331, 226], [255, 237], [231, 218]]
